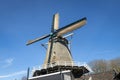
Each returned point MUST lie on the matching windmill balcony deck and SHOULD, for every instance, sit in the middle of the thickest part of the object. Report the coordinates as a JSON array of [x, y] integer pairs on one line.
[[77, 68]]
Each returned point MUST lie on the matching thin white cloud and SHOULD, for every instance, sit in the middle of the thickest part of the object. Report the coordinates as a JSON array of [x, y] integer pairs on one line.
[[13, 74], [8, 62]]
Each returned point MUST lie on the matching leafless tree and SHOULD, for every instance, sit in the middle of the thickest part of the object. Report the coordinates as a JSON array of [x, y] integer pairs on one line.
[[24, 78], [99, 66], [115, 64], [103, 65]]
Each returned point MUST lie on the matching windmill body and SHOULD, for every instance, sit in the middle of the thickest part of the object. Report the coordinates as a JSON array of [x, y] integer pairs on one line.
[[58, 55]]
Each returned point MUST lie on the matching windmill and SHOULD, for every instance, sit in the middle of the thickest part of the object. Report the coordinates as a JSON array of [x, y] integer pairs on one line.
[[58, 52]]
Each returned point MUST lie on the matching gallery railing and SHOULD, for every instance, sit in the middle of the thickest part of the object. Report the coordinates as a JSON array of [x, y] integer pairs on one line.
[[62, 63]]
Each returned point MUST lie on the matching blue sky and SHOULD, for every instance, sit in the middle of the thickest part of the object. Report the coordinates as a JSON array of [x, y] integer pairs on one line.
[[21, 20]]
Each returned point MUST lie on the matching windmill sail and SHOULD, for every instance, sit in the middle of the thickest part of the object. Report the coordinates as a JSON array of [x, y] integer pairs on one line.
[[55, 22], [37, 39], [71, 27]]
